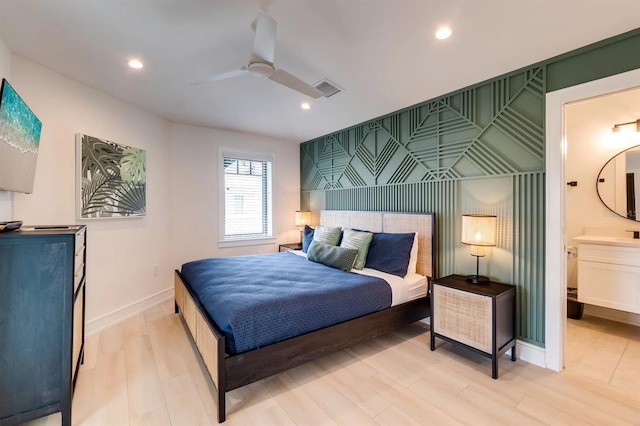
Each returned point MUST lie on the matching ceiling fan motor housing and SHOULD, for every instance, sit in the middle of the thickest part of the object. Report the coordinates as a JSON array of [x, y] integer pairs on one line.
[[261, 69]]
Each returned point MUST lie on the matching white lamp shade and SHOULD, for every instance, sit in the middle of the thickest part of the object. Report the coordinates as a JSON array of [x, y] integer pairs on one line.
[[479, 230], [303, 218]]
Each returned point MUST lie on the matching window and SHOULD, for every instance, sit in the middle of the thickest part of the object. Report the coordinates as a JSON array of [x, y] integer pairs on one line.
[[247, 197]]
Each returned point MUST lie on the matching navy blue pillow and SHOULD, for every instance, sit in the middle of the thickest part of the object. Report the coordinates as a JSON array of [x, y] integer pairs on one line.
[[390, 253], [307, 237]]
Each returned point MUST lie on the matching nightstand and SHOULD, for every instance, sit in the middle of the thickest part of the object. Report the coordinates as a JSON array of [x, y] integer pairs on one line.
[[480, 317], [290, 246]]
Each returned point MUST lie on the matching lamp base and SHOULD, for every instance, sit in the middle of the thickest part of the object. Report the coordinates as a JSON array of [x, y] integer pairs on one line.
[[478, 279]]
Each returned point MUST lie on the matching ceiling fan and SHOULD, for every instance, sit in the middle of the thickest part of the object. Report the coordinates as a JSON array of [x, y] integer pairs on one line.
[[261, 63]]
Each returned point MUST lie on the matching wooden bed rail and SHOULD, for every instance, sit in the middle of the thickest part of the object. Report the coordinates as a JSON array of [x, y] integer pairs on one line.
[[208, 338], [254, 365], [229, 372]]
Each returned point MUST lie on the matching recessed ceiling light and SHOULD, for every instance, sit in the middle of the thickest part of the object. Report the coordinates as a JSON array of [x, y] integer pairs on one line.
[[305, 105], [135, 63], [443, 33]]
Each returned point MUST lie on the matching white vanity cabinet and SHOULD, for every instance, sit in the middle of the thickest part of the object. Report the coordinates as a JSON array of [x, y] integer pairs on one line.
[[609, 272]]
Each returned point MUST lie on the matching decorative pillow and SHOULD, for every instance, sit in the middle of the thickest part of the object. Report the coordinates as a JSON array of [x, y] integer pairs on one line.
[[334, 256], [413, 259], [390, 253], [328, 235], [357, 240], [307, 237]]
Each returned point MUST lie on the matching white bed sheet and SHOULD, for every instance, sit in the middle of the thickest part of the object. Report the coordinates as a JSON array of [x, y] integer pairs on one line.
[[411, 287]]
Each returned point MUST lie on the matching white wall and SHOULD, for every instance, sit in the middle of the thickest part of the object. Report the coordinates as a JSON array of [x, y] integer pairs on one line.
[[121, 253], [6, 200], [590, 144], [194, 188], [182, 192]]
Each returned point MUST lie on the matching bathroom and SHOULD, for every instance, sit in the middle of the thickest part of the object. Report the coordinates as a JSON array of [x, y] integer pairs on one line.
[[601, 342]]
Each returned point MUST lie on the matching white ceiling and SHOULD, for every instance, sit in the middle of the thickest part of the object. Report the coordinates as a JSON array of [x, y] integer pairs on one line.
[[382, 52]]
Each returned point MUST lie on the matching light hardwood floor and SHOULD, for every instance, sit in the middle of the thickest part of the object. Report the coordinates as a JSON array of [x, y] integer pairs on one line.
[[145, 372]]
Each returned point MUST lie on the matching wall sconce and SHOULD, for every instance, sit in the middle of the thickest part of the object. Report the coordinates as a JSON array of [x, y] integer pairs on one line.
[[618, 127], [302, 218], [478, 231]]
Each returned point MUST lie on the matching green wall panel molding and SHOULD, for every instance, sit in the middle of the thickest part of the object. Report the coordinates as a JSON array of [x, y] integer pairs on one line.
[[490, 130], [413, 160], [603, 59], [416, 160], [528, 253]]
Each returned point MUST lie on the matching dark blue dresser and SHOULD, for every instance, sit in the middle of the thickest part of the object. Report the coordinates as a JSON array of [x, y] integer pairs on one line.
[[42, 294]]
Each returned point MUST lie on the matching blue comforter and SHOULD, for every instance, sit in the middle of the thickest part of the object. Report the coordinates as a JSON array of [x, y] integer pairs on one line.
[[261, 299]]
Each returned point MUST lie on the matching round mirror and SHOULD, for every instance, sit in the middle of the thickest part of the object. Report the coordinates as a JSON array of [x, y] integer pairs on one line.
[[619, 183]]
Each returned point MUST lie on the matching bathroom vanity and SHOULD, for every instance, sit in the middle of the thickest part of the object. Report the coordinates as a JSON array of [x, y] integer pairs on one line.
[[609, 272]]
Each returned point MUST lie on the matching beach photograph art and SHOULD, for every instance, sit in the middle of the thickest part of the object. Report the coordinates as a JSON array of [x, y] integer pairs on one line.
[[19, 142]]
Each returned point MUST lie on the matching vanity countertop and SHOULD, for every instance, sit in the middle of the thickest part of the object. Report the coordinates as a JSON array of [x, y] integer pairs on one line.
[[611, 241]]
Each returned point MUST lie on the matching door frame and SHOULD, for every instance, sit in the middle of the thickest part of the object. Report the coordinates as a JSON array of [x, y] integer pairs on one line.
[[555, 207]]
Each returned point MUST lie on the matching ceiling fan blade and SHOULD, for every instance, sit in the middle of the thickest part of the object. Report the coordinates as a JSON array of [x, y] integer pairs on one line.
[[222, 76], [282, 77], [264, 44]]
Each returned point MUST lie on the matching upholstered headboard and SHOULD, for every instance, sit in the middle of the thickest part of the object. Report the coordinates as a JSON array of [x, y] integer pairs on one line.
[[422, 223]]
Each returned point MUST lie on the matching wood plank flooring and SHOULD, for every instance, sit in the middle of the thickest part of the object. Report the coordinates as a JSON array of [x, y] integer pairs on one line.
[[145, 371]]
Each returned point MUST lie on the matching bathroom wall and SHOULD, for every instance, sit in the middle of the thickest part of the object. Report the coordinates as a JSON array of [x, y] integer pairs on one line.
[[590, 144]]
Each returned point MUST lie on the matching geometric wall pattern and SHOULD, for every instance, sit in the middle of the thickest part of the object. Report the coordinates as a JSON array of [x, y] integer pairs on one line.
[[489, 130], [412, 160]]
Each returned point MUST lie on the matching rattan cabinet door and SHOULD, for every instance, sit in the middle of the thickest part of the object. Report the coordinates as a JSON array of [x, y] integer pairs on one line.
[[463, 316]]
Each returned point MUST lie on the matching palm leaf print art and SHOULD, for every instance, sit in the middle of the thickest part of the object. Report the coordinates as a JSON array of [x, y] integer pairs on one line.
[[113, 179]]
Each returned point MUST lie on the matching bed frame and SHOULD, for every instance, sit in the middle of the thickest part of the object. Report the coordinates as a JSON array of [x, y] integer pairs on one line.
[[229, 372]]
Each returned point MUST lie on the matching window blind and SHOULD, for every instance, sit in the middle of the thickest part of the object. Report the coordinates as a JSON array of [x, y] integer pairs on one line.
[[247, 198]]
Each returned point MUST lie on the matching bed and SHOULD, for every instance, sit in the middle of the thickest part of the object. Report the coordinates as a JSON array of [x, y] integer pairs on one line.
[[234, 365]]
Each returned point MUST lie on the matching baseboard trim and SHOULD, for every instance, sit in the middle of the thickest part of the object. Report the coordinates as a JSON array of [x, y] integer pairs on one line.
[[126, 312], [612, 314], [530, 353]]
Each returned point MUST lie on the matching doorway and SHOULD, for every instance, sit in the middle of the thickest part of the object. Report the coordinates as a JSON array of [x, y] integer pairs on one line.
[[555, 202]]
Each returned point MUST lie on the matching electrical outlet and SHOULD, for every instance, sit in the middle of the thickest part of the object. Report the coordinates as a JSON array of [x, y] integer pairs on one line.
[[156, 270]]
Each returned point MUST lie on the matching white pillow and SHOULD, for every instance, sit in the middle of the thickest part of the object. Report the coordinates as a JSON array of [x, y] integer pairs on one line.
[[413, 257]]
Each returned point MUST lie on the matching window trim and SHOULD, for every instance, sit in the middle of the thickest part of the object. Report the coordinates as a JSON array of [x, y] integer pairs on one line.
[[248, 155]]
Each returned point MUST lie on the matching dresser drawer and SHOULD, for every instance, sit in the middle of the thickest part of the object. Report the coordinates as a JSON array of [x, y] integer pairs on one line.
[[80, 237], [79, 263], [77, 332]]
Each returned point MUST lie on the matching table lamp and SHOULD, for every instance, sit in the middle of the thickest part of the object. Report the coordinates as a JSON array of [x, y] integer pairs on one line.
[[302, 218], [479, 231]]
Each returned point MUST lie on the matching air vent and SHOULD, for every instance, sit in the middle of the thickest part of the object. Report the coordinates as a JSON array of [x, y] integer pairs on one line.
[[327, 88]]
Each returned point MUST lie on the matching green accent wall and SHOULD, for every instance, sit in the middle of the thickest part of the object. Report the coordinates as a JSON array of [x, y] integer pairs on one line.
[[451, 155]]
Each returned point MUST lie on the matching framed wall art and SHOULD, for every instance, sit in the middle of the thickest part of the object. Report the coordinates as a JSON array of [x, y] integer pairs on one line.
[[110, 179]]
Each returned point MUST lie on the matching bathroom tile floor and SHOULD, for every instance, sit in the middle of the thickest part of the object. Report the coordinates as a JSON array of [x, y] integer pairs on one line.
[[604, 350]]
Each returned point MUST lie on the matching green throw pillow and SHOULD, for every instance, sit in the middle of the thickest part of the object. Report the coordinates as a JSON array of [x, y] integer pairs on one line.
[[334, 256], [357, 240], [327, 234]]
